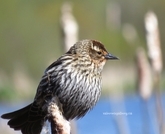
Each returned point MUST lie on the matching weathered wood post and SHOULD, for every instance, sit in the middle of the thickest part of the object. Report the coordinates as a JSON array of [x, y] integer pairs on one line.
[[155, 55], [69, 26], [70, 31], [144, 85]]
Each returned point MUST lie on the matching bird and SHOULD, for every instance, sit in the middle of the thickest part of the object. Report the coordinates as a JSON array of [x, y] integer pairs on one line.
[[74, 79]]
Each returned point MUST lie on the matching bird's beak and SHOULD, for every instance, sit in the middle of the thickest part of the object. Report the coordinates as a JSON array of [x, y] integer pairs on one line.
[[109, 56]]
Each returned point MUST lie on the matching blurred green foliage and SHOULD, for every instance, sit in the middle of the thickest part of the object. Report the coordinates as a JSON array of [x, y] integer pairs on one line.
[[30, 35], [5, 93]]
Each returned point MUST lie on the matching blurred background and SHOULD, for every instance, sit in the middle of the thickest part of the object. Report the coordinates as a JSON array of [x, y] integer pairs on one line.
[[35, 33]]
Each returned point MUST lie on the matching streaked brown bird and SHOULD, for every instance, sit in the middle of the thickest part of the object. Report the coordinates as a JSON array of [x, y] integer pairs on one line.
[[75, 79]]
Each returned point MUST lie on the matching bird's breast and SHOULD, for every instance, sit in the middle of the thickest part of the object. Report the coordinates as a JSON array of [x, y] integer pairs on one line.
[[80, 91]]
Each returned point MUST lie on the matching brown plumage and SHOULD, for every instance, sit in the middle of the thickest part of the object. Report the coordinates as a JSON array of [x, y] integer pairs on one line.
[[75, 79]]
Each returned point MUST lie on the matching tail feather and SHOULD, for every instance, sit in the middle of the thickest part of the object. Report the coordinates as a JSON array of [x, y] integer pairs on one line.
[[18, 120], [32, 128], [16, 113], [29, 119]]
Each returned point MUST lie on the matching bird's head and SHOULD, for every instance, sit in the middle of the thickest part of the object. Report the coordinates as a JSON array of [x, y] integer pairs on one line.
[[91, 49], [91, 54], [98, 53]]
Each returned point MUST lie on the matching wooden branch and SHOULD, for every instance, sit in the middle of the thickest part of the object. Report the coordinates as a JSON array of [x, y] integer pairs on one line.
[[59, 125]]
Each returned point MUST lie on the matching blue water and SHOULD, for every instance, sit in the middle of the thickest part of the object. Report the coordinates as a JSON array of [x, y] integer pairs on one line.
[[141, 117], [129, 115]]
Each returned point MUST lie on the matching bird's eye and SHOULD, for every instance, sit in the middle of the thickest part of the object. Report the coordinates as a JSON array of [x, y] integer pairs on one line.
[[99, 53]]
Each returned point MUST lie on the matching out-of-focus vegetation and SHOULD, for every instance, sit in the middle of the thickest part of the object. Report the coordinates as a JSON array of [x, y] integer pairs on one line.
[[30, 36]]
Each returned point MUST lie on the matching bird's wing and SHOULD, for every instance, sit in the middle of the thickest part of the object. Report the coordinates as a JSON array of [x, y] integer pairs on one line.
[[53, 65], [48, 84]]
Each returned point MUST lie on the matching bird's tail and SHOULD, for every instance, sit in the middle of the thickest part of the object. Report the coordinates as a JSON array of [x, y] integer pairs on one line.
[[29, 119]]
